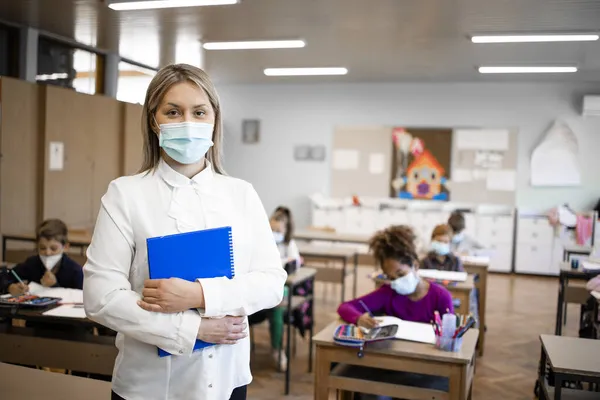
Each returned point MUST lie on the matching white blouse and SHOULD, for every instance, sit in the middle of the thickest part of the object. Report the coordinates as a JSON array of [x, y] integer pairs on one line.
[[165, 202]]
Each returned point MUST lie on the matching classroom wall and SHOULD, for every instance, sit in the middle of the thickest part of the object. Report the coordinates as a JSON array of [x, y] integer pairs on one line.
[[292, 114]]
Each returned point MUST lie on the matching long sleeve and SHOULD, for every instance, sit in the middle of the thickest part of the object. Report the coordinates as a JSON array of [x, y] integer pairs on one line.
[[262, 286], [107, 292], [351, 310], [293, 252]]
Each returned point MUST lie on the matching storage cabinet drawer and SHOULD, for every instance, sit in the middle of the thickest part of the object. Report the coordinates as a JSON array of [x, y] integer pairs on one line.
[[490, 237], [533, 259], [497, 222], [501, 257], [535, 231], [391, 216], [359, 220]]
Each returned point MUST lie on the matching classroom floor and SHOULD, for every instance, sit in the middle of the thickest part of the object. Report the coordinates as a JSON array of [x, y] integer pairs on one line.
[[519, 309]]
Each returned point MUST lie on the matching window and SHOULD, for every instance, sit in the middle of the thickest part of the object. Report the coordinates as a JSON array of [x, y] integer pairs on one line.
[[133, 82]]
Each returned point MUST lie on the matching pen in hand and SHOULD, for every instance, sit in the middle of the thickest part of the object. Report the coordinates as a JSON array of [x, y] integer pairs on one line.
[[19, 279]]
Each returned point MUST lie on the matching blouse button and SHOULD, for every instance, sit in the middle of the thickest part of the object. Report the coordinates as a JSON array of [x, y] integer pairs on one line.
[[180, 351], [210, 385], [210, 356]]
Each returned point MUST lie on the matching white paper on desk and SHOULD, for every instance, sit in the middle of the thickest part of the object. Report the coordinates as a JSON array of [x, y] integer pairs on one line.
[[475, 259], [345, 159], [454, 276], [501, 179], [67, 295], [590, 266], [411, 331], [67, 311]]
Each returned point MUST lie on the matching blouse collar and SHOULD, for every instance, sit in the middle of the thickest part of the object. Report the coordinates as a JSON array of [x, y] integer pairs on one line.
[[175, 179]]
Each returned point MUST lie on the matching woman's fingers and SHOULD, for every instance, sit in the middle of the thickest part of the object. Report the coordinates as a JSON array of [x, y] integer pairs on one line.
[[148, 292], [150, 307]]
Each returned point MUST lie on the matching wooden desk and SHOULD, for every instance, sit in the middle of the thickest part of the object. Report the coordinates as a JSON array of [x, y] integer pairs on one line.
[[79, 239], [462, 291], [570, 359], [329, 274], [395, 355], [48, 347], [566, 274], [479, 266], [22, 383], [334, 237], [304, 274]]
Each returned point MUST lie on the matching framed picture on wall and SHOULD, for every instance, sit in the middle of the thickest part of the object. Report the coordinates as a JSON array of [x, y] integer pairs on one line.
[[250, 131]]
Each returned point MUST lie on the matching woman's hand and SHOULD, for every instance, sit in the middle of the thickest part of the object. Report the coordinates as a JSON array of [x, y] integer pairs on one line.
[[17, 289], [49, 279], [366, 321], [171, 295], [226, 330]]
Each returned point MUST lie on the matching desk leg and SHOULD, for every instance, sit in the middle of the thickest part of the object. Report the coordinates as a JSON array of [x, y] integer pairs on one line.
[[288, 340], [458, 387], [312, 327], [482, 305], [322, 367], [3, 248], [559, 306], [344, 269], [355, 274], [558, 380]]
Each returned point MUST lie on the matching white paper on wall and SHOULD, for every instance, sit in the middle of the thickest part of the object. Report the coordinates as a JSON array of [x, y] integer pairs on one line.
[[480, 174], [462, 175], [56, 156], [555, 161], [501, 179], [345, 159], [376, 163], [481, 139], [488, 159]]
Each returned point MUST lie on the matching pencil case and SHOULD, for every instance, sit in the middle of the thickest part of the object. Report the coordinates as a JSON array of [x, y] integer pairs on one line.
[[28, 300], [352, 336]]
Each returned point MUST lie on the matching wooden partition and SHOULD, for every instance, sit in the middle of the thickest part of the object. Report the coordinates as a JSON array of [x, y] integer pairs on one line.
[[90, 129], [22, 156], [132, 138]]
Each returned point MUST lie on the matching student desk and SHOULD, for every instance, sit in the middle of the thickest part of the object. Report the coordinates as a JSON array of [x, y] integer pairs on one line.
[[48, 347], [479, 266], [568, 251], [79, 240], [394, 355], [566, 274], [22, 383], [331, 237], [329, 274], [302, 275], [570, 359]]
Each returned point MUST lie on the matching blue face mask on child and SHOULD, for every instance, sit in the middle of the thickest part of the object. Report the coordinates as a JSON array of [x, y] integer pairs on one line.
[[407, 284], [278, 236], [186, 142], [440, 248]]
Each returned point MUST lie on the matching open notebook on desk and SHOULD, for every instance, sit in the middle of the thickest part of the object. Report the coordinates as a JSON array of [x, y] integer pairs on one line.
[[70, 296], [411, 331], [67, 311]]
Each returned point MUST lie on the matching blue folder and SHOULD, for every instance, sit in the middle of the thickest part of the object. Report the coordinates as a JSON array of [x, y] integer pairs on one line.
[[190, 256]]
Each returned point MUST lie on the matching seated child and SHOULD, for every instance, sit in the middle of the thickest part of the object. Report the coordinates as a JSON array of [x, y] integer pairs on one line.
[[461, 243], [51, 267], [282, 227], [407, 296], [440, 257]]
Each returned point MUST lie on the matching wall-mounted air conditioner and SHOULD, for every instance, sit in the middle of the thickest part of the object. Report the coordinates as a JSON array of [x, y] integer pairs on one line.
[[591, 106]]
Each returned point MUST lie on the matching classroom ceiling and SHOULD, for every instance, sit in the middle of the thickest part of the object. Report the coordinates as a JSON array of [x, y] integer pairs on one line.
[[377, 40]]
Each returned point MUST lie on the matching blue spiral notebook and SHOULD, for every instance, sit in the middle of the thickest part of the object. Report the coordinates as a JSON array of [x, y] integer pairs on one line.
[[193, 255]]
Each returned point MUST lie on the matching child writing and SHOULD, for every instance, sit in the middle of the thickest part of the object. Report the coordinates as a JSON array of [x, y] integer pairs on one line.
[[51, 267], [440, 257], [282, 227], [461, 243], [407, 296]]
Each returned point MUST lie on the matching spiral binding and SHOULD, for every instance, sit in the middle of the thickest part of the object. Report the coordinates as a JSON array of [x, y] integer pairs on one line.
[[231, 253]]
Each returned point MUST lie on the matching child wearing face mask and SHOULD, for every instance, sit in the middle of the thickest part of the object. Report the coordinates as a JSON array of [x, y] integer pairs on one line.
[[461, 243], [51, 267], [440, 257], [406, 296]]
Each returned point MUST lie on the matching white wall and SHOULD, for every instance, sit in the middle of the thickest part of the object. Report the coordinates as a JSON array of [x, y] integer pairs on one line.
[[293, 114]]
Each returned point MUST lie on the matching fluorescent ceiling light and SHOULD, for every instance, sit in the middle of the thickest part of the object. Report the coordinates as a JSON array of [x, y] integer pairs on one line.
[[258, 44], [533, 38], [526, 70], [152, 4], [305, 71]]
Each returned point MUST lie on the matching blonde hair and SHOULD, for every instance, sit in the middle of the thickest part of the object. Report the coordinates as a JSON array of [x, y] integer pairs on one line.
[[160, 84]]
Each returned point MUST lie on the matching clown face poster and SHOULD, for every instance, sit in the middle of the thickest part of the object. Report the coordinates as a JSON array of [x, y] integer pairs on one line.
[[421, 163]]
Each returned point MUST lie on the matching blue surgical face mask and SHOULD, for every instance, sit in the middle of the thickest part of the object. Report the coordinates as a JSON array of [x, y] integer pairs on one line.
[[278, 236], [407, 284], [458, 237], [440, 248], [186, 142]]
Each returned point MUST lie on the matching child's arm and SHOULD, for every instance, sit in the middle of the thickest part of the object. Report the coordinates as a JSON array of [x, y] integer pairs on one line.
[[351, 311]]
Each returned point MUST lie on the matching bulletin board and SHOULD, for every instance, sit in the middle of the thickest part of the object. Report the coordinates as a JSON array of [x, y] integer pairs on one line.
[[482, 163]]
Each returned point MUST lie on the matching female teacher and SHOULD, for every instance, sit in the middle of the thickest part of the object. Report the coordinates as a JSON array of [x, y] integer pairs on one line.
[[182, 188]]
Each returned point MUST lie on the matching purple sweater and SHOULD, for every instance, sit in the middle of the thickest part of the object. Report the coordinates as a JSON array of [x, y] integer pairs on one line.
[[386, 301]]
